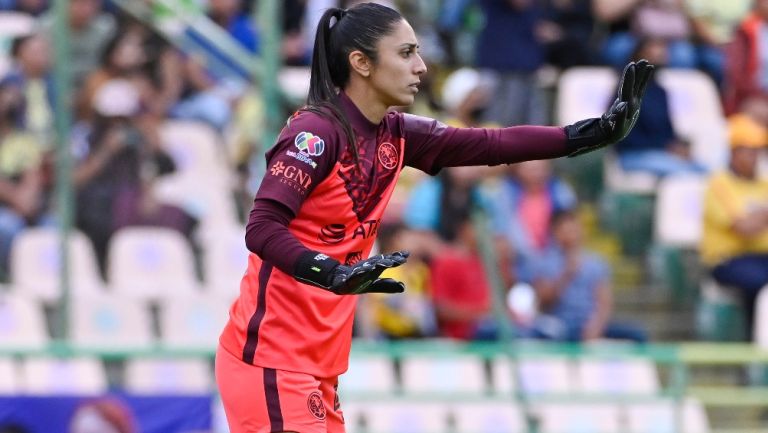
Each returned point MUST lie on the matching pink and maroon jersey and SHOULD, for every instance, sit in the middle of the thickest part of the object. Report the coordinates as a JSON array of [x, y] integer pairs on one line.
[[337, 203]]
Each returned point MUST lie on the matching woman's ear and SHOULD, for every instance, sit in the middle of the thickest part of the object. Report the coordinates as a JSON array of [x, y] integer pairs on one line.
[[360, 63]]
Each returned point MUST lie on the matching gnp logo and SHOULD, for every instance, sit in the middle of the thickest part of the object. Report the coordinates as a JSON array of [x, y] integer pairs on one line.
[[291, 176], [309, 143]]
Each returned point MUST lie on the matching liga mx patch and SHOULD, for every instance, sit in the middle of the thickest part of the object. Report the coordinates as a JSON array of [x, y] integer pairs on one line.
[[309, 143]]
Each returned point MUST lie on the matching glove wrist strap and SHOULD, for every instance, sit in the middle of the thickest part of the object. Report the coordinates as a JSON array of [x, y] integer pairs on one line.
[[584, 134], [315, 268]]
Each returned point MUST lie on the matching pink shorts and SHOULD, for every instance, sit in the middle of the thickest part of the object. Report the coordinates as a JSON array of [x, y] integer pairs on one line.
[[265, 400]]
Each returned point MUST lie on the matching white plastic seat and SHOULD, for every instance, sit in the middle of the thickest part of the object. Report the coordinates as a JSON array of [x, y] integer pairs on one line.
[[85, 376], [488, 417], [660, 417], [406, 417], [579, 418], [192, 321], [760, 327], [193, 146], [584, 92], [697, 114], [443, 374], [22, 323], [110, 321], [619, 376], [535, 376], [10, 382], [679, 211], [168, 376], [151, 263], [36, 261], [13, 25], [225, 260], [368, 374]]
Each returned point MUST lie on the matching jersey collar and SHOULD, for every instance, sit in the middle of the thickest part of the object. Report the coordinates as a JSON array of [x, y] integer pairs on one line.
[[359, 122]]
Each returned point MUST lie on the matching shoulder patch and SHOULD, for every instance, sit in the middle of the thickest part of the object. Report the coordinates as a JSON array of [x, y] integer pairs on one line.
[[309, 143]]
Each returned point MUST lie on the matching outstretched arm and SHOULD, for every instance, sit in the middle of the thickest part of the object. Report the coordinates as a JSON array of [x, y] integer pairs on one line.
[[431, 145]]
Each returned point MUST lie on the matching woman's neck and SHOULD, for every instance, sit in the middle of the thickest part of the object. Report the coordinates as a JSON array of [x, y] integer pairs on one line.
[[366, 101]]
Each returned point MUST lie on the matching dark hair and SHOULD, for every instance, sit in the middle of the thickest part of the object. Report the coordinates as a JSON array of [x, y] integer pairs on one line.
[[562, 215], [357, 28], [18, 42]]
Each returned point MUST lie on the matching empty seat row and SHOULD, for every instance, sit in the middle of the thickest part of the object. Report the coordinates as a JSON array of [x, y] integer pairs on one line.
[[88, 376], [113, 322], [144, 262], [507, 417], [474, 375]]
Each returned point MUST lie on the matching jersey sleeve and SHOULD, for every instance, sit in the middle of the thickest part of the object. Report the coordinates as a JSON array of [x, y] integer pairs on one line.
[[431, 145], [305, 153]]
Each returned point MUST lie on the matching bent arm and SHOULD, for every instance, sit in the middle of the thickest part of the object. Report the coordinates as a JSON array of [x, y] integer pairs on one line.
[[432, 145], [267, 235]]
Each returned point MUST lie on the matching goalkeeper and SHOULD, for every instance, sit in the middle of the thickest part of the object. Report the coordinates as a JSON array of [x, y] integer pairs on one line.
[[315, 217]]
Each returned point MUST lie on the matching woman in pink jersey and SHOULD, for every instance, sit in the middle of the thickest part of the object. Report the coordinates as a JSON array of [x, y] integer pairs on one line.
[[315, 217]]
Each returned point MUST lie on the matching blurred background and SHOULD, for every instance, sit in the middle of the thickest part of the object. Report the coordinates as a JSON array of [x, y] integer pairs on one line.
[[620, 291]]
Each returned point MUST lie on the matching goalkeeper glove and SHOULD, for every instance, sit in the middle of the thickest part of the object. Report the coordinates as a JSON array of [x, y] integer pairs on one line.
[[322, 271], [592, 134]]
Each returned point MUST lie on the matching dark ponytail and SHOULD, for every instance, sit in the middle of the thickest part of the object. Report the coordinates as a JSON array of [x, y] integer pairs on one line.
[[339, 32]]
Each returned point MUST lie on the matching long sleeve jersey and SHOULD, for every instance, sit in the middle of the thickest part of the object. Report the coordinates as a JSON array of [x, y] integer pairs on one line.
[[317, 195]]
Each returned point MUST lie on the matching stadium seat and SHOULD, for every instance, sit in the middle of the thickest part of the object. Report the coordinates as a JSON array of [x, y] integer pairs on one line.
[[22, 323], [36, 260], [720, 313], [697, 114], [83, 376], [168, 376], [194, 147], [617, 376], [584, 92], [660, 417], [535, 376], [368, 374], [406, 417], [13, 25], [579, 418], [9, 377], [192, 321], [760, 327], [110, 321], [151, 263], [457, 374], [679, 211], [225, 259], [488, 417]]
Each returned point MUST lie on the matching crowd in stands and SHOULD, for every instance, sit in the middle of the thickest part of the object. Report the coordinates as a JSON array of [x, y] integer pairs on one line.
[[491, 63]]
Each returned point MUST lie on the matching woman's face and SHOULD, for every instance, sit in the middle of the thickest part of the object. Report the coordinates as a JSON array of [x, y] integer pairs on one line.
[[397, 73]]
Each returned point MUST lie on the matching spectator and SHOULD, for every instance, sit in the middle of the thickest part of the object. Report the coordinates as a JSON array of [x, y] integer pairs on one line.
[[409, 314], [466, 96], [567, 33], [228, 14], [90, 30], [21, 177], [119, 158], [574, 292], [461, 291], [635, 20], [31, 75], [734, 244], [31, 7], [714, 23], [125, 57], [653, 146], [522, 209], [509, 51], [746, 74]]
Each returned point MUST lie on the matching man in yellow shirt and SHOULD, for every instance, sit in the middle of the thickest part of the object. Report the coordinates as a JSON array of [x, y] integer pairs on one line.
[[734, 244]]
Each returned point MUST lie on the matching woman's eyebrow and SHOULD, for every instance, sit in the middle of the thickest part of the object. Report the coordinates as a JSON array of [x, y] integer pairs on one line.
[[410, 46]]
